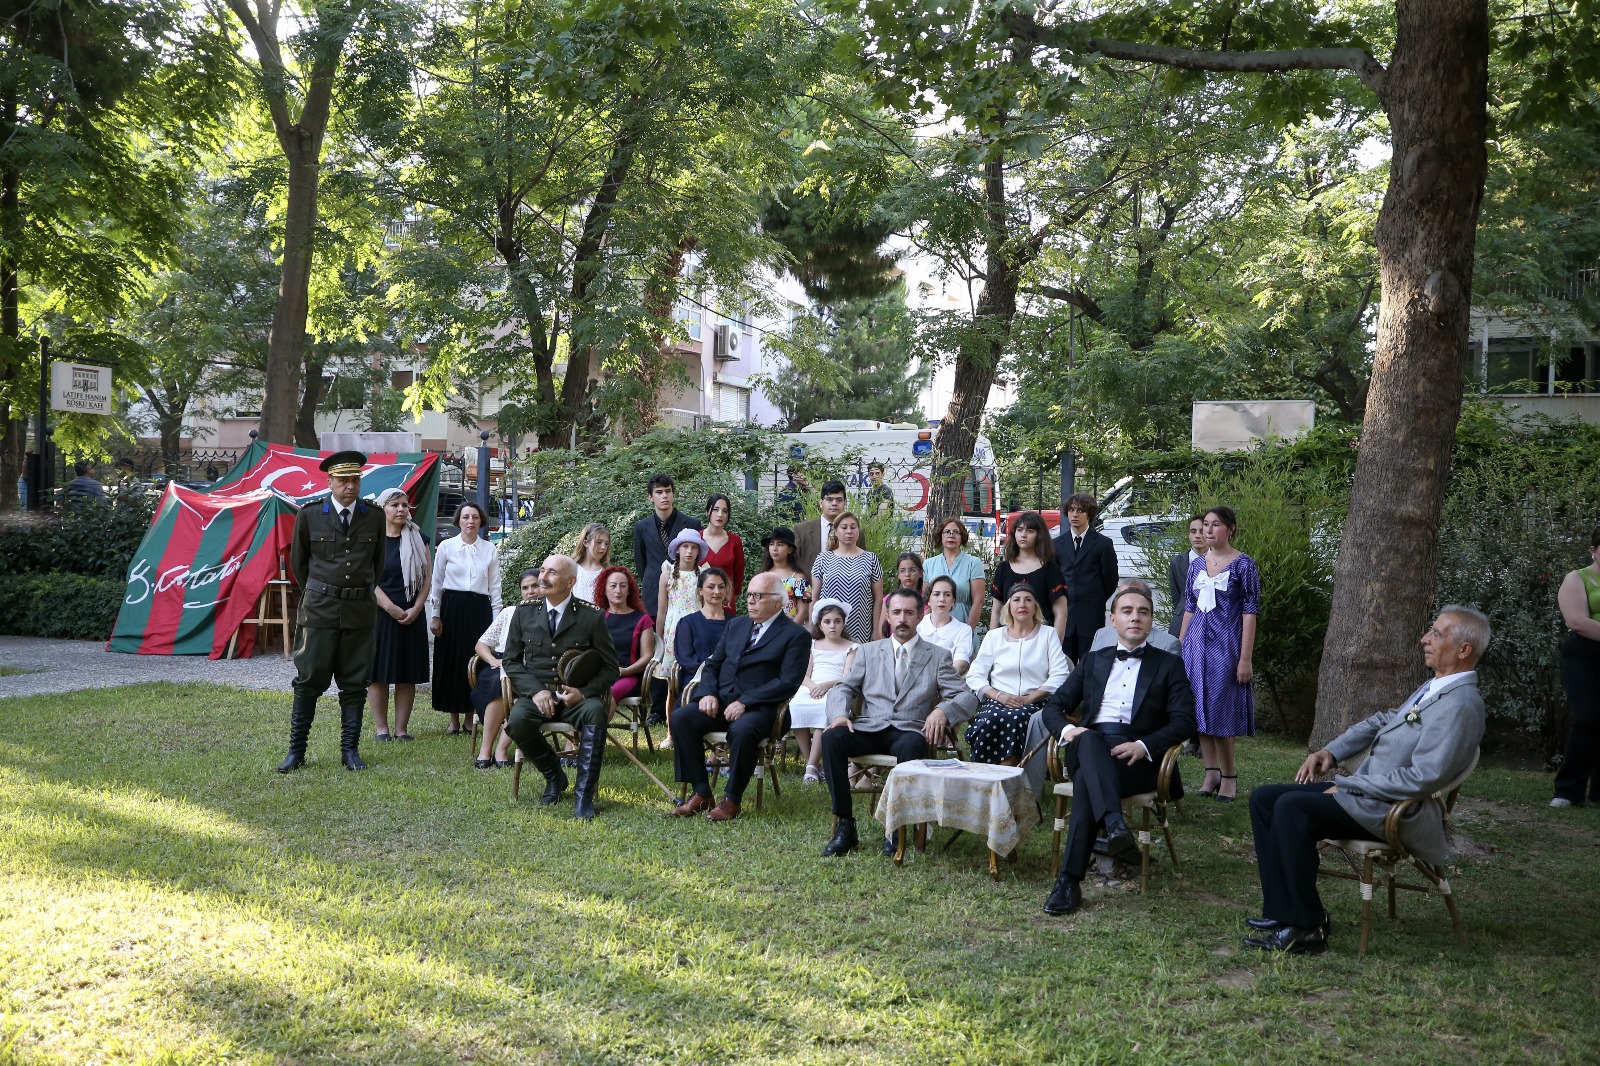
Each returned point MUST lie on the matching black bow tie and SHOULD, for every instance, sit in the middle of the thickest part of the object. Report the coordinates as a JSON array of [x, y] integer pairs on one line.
[[1136, 653]]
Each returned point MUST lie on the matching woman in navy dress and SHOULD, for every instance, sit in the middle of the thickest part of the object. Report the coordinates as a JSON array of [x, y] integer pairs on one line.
[[1218, 638]]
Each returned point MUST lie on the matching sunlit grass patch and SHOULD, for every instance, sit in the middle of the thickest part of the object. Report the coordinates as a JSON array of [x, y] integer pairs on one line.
[[166, 897]]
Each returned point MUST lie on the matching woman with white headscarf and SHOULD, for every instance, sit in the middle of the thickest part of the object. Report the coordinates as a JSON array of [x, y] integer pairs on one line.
[[400, 654]]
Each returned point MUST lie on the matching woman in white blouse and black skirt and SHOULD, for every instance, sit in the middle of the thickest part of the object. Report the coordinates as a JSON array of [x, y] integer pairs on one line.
[[464, 601]]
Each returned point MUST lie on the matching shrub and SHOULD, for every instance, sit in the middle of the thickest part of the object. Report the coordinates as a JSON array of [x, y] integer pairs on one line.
[[574, 489], [66, 606], [97, 539], [1517, 517]]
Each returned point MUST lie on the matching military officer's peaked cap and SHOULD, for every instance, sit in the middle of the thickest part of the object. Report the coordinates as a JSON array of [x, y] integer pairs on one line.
[[344, 464]]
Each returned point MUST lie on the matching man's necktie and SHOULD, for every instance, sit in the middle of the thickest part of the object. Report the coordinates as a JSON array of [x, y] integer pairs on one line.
[[344, 522], [755, 635], [661, 531], [899, 667], [1136, 653], [555, 616], [1077, 542]]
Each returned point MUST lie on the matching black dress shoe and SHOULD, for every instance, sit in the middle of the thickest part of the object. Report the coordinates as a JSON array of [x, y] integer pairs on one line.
[[844, 839], [1120, 844], [484, 764], [1289, 939], [381, 737], [889, 845], [291, 764], [1272, 925], [352, 761], [1065, 897]]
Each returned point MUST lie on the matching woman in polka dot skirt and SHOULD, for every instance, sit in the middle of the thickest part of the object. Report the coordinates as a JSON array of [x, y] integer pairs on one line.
[[1017, 669]]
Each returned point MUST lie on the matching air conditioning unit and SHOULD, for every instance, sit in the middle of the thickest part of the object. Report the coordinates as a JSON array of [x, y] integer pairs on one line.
[[724, 343]]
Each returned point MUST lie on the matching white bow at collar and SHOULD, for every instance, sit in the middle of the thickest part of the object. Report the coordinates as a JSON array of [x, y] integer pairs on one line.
[[1206, 588]]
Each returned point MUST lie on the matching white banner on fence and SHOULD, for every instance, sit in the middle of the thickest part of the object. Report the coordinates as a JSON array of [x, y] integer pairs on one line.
[[80, 389]]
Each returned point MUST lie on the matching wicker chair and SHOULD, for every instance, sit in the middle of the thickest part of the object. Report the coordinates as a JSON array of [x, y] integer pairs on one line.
[[767, 755], [1386, 855], [1149, 805]]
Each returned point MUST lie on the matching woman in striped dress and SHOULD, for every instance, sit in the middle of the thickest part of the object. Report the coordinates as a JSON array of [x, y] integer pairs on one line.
[[846, 571]]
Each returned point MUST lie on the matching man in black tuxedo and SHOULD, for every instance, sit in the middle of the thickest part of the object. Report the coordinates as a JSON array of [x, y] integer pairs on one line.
[[754, 671], [1136, 703], [1088, 561]]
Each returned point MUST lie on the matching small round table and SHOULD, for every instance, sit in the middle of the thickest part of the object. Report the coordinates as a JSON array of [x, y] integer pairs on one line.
[[986, 800]]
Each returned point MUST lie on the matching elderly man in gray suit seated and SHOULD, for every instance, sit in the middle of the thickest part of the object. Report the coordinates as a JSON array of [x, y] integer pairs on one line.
[[910, 697], [1413, 751]]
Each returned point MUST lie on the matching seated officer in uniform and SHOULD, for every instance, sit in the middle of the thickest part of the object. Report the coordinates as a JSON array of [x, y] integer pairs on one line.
[[336, 557], [538, 635], [1136, 703]]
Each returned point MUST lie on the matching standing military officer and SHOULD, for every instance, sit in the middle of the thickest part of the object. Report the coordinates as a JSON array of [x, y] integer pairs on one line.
[[336, 557], [539, 634]]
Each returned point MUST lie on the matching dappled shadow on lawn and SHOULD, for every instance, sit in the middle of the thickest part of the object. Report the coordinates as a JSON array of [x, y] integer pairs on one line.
[[408, 914]]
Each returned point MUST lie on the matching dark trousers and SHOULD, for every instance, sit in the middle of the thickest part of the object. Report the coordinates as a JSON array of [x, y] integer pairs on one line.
[[841, 742], [1099, 781], [522, 724], [689, 726], [1287, 821], [1579, 776], [323, 655], [1076, 645]]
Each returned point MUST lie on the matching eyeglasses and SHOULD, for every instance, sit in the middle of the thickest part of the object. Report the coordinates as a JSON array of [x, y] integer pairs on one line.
[[759, 595]]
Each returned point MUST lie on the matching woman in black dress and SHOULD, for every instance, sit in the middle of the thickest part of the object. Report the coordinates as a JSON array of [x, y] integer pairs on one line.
[[400, 639], [1030, 559]]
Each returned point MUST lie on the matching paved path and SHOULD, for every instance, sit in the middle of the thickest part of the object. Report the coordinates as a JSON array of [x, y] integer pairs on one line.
[[71, 665]]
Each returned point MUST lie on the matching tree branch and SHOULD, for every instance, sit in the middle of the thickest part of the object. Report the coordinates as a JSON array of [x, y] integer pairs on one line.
[[1359, 60]]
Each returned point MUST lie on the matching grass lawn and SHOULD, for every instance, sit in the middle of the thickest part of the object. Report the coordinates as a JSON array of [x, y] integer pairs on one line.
[[166, 898]]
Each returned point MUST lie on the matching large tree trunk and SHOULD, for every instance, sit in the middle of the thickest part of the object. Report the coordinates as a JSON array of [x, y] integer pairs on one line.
[[305, 422], [587, 259], [977, 359], [1435, 93], [286, 343]]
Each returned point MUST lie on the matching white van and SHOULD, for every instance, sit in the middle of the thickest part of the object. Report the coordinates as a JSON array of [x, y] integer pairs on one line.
[[906, 452]]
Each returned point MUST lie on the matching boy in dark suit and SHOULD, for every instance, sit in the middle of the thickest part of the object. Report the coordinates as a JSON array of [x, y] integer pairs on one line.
[[1088, 561], [754, 671], [1135, 703]]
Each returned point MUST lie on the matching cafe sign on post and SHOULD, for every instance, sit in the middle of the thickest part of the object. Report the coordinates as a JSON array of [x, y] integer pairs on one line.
[[80, 389]]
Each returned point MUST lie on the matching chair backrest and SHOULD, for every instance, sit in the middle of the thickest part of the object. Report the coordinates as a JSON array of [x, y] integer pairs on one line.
[[1447, 795]]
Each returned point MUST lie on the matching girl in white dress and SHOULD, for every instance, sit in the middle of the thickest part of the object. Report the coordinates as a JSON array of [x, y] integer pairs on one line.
[[939, 626], [592, 556], [831, 659]]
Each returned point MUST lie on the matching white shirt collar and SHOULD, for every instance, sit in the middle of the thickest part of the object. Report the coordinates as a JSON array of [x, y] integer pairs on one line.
[[559, 608], [907, 646], [1437, 683], [1193, 555], [1123, 647]]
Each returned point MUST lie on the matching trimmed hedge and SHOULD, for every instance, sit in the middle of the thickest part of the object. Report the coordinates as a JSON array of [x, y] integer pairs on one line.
[[65, 606]]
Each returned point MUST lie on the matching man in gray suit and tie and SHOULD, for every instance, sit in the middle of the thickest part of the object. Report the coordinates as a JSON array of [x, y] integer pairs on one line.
[[910, 696], [1413, 751]]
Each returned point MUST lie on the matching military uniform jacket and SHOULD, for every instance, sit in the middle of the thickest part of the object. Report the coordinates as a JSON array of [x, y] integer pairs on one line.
[[532, 651], [335, 571]]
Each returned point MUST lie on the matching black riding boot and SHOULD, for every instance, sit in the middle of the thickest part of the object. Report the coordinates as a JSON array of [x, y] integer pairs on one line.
[[591, 750], [536, 750], [350, 733], [305, 709]]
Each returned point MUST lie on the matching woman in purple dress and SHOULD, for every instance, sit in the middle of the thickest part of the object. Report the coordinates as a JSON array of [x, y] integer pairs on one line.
[[1218, 637]]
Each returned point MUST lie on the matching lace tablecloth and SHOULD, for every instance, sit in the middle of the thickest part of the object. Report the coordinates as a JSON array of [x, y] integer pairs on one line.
[[989, 801]]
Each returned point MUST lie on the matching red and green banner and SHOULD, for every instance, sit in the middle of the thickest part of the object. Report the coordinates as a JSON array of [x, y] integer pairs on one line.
[[208, 555], [200, 570], [295, 473]]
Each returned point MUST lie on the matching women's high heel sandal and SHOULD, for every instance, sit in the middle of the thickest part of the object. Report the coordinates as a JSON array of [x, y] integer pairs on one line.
[[1207, 791], [1220, 798]]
